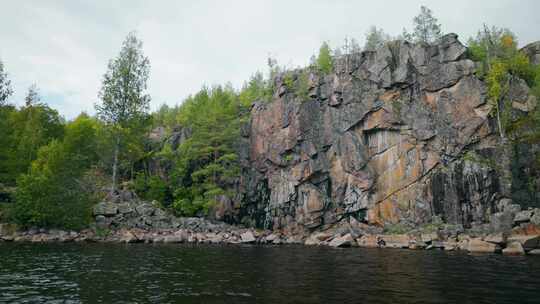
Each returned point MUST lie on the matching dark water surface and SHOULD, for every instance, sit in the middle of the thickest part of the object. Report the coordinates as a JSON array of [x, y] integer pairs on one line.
[[108, 273]]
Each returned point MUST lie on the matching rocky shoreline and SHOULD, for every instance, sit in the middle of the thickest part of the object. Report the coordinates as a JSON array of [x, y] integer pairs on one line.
[[124, 218], [522, 241]]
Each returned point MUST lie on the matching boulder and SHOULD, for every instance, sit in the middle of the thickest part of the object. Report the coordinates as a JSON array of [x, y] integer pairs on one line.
[[502, 221], [513, 248], [428, 237], [396, 240], [523, 217], [342, 241], [125, 208], [247, 237], [173, 239], [478, 246], [534, 252], [535, 219], [105, 209], [368, 241], [496, 238], [532, 50], [528, 242], [126, 236], [145, 209]]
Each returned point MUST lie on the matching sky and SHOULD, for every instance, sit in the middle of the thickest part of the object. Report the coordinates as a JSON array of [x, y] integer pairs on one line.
[[64, 46]]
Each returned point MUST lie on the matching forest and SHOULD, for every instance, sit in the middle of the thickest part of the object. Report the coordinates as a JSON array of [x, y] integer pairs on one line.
[[53, 170]]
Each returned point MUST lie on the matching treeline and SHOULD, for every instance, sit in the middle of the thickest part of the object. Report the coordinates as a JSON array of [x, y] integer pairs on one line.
[[53, 171]]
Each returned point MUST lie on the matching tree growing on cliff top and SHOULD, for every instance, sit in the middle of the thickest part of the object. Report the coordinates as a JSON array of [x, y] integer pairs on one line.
[[5, 85], [426, 28], [123, 94], [375, 38], [324, 60]]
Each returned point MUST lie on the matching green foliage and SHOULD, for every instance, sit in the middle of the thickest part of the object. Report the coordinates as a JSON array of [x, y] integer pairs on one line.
[[397, 228], [490, 43], [256, 89], [125, 102], [26, 130], [298, 83], [51, 194], [324, 60], [206, 164], [152, 188], [102, 232]]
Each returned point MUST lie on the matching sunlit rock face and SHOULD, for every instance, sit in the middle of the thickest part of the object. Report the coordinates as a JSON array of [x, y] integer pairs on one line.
[[383, 139]]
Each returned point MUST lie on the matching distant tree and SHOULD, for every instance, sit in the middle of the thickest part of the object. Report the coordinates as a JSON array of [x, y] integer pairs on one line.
[[375, 38], [426, 26], [324, 60], [125, 102], [5, 85]]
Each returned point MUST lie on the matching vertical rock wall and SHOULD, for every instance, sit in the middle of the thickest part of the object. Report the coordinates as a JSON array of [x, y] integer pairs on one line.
[[383, 139]]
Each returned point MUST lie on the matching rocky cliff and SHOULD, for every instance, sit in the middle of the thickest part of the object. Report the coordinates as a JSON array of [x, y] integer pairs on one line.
[[394, 136]]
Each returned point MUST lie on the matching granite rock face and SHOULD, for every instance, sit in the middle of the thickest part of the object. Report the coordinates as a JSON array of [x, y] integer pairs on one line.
[[393, 136]]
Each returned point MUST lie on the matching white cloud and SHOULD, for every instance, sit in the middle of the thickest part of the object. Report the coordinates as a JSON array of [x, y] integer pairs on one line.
[[64, 46]]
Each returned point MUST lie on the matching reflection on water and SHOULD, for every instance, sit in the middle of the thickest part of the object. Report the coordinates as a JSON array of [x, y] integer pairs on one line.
[[107, 273]]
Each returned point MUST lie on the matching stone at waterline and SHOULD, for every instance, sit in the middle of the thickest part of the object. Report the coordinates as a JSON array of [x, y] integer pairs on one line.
[[247, 237], [479, 246], [173, 239], [513, 248], [534, 252], [368, 241], [496, 238], [528, 242], [342, 241], [396, 240]]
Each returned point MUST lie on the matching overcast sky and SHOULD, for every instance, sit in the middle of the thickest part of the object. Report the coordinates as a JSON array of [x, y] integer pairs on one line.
[[64, 46]]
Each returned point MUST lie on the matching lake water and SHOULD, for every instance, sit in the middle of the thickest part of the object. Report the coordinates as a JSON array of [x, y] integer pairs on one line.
[[139, 273]]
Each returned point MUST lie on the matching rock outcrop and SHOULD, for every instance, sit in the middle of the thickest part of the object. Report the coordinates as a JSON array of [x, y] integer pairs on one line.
[[393, 136]]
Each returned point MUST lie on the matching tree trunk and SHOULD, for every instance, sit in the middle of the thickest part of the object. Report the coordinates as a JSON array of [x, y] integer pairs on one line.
[[115, 163]]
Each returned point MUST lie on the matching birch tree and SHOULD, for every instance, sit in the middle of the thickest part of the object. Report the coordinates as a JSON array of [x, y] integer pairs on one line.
[[124, 99]]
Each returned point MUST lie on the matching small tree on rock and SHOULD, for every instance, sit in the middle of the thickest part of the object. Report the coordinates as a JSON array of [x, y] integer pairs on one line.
[[426, 26]]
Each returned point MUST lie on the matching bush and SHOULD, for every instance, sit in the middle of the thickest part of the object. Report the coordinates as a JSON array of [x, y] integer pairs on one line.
[[53, 194], [152, 188]]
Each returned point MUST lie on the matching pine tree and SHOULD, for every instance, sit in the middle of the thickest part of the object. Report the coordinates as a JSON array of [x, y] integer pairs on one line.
[[426, 26]]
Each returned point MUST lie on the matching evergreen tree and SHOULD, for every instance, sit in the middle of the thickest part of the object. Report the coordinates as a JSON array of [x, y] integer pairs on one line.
[[324, 60], [206, 163], [123, 94], [426, 26]]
